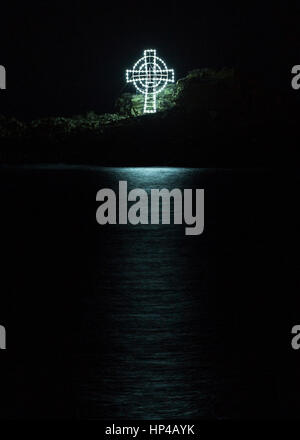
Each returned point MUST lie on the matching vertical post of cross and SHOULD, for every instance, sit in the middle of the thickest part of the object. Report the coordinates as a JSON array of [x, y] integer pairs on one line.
[[150, 95]]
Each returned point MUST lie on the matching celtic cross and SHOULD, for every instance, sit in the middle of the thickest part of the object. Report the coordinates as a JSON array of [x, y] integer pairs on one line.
[[150, 76]]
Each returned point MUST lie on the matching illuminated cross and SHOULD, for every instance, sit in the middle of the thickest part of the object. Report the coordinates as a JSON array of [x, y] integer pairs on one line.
[[150, 76]]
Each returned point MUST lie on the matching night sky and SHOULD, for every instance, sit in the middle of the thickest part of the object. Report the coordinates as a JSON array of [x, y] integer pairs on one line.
[[66, 58]]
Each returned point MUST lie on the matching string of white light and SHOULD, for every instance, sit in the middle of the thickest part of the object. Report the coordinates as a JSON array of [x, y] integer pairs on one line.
[[150, 76]]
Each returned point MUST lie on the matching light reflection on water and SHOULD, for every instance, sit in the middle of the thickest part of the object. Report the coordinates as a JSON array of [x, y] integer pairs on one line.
[[147, 330]]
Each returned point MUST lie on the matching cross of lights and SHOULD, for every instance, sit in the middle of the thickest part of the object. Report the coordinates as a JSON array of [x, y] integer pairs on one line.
[[150, 76]]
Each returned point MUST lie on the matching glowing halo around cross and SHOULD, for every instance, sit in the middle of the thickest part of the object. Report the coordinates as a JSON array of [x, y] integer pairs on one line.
[[150, 76]]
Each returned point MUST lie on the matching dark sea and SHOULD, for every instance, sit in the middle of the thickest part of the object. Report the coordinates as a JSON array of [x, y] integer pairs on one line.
[[145, 322]]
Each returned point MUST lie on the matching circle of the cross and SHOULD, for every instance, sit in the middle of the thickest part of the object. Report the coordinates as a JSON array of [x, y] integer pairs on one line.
[[151, 72]]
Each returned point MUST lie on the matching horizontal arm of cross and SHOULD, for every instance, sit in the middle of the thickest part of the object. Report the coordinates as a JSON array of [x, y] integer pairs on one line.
[[170, 74], [130, 76]]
